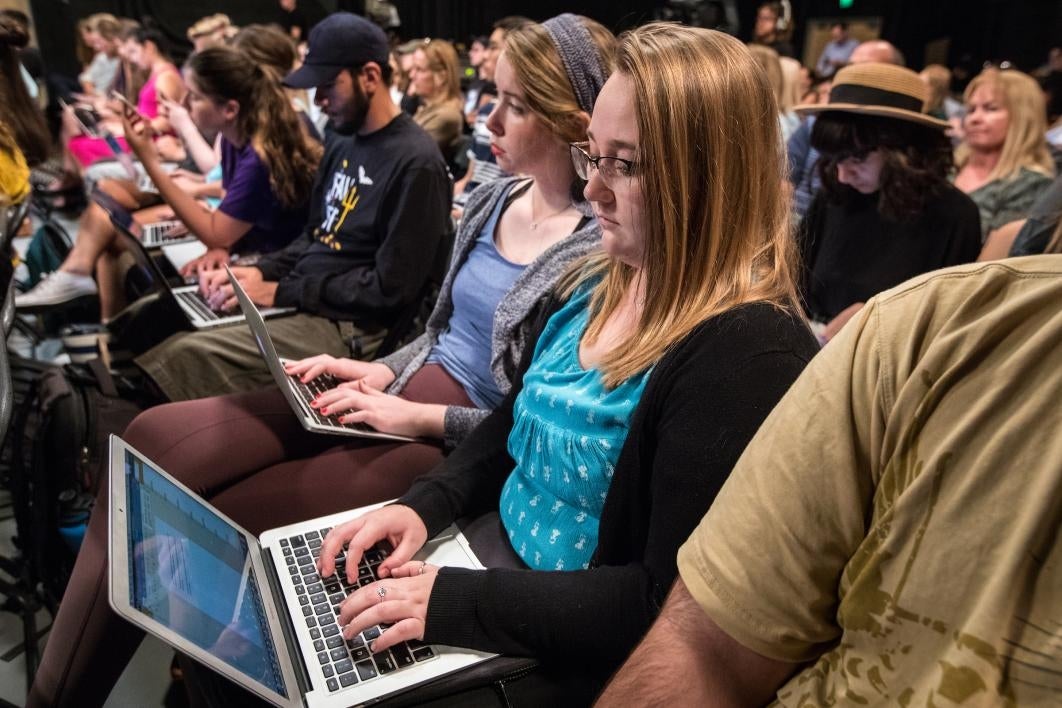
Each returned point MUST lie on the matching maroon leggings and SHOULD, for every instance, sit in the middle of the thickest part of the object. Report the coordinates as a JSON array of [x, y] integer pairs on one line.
[[248, 455]]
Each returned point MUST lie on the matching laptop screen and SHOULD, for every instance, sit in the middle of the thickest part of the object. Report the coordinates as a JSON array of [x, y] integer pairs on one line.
[[190, 571]]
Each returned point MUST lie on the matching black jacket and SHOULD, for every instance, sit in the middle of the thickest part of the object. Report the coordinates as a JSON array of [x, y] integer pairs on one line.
[[702, 404]]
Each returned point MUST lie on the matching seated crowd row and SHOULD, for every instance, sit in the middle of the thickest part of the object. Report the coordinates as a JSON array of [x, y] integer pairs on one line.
[[624, 336]]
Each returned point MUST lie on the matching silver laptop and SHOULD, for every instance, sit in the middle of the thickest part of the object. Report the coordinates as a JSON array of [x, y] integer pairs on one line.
[[153, 235], [297, 393], [253, 609], [192, 303]]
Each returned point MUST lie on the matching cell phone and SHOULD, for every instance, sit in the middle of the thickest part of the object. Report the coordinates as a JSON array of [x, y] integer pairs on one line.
[[125, 102], [87, 121]]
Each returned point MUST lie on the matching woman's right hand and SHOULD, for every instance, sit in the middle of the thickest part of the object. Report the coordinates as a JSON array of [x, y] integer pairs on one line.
[[397, 524], [376, 375], [177, 115]]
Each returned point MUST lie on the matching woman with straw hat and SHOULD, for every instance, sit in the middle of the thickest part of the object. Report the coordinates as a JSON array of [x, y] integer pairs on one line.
[[887, 211]]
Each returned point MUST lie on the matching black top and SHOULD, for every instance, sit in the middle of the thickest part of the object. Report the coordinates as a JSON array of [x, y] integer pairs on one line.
[[379, 228], [703, 402], [851, 253]]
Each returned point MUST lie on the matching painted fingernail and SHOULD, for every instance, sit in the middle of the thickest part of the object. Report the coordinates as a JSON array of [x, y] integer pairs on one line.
[[325, 411]]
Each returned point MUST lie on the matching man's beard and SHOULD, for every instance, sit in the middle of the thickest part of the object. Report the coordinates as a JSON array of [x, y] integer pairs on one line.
[[355, 112]]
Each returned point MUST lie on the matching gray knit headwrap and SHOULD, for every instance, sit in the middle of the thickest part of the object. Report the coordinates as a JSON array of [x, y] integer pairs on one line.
[[579, 55]]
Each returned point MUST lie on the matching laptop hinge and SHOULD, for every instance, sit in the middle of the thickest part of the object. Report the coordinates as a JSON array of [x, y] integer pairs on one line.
[[301, 674]]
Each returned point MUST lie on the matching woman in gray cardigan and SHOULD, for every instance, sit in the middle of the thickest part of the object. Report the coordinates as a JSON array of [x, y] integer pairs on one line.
[[518, 236]]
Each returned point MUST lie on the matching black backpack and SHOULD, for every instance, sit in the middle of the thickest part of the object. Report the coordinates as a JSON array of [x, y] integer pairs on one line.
[[55, 456]]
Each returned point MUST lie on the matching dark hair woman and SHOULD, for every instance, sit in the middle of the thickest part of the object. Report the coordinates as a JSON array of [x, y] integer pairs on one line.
[[887, 211], [21, 115], [268, 164]]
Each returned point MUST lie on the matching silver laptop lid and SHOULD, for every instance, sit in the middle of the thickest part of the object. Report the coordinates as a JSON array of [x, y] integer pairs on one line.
[[188, 574]]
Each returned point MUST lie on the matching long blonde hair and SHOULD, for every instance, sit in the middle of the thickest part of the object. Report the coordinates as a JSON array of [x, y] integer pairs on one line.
[[717, 220], [443, 64], [1025, 144]]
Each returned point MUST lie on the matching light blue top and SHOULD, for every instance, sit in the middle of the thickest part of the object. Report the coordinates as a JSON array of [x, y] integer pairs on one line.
[[464, 348], [568, 430], [213, 176]]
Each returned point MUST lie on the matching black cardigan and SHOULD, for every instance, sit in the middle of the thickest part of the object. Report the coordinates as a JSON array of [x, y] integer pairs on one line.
[[702, 404]]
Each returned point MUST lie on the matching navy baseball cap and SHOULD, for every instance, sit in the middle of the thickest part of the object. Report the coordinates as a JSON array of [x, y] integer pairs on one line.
[[340, 41]]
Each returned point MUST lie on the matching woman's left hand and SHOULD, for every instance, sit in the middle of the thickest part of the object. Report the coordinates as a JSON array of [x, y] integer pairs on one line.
[[139, 135], [357, 402], [401, 600]]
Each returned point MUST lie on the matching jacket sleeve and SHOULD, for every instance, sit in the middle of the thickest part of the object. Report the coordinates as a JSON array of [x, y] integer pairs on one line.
[[276, 265], [697, 426], [459, 421], [418, 226]]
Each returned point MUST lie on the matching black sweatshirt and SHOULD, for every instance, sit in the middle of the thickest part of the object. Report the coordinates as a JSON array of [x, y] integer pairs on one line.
[[702, 404], [379, 228]]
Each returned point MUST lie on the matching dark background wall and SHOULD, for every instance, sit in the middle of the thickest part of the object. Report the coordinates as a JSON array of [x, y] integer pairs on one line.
[[1019, 30]]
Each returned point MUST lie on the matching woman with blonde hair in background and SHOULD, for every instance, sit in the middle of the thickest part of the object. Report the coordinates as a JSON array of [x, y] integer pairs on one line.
[[102, 33], [652, 369], [784, 89], [209, 31], [1004, 162], [437, 83]]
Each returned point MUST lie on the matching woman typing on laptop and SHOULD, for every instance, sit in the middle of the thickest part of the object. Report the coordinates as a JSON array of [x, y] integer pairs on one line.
[[655, 365], [517, 237], [268, 162]]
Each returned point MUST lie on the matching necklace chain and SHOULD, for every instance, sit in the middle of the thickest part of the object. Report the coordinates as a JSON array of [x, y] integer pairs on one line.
[[535, 223]]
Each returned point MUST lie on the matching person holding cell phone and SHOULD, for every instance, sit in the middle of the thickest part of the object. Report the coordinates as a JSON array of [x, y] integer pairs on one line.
[[268, 165]]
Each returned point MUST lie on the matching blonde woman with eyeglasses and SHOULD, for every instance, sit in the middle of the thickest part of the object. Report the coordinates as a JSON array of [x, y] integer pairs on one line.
[[650, 371]]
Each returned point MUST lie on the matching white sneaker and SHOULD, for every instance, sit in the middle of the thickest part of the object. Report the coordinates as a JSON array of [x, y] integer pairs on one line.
[[57, 288]]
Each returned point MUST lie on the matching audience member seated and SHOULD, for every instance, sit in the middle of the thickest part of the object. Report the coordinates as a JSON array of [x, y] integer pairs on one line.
[[656, 365], [773, 28], [210, 31], [482, 166], [267, 172], [272, 49], [436, 80], [101, 34], [147, 49], [803, 158], [837, 53], [886, 212], [890, 535], [1003, 161], [506, 246], [378, 235]]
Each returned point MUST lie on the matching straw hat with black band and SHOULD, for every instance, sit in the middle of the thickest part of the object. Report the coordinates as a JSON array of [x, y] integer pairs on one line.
[[874, 89]]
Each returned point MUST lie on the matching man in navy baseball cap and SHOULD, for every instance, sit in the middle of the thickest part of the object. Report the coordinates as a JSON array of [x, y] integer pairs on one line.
[[347, 64]]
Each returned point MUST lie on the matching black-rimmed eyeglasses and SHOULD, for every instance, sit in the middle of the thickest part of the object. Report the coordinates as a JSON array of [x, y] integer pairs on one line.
[[612, 168]]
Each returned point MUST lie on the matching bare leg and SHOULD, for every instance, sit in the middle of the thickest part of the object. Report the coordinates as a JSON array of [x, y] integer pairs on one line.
[[95, 234]]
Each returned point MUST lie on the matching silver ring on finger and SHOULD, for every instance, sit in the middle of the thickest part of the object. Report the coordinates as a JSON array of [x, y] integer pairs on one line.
[[423, 565], [381, 592]]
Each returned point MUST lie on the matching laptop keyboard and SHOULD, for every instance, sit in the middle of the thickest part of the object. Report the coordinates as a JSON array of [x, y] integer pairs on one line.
[[311, 389], [344, 662], [195, 300], [157, 234]]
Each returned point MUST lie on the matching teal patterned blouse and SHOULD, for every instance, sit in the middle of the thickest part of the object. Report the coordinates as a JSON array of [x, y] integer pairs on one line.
[[568, 430]]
